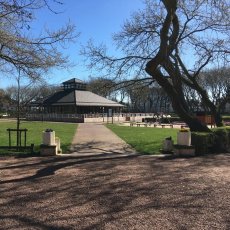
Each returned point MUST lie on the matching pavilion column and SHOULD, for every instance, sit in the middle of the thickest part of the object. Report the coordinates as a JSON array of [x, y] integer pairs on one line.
[[75, 109]]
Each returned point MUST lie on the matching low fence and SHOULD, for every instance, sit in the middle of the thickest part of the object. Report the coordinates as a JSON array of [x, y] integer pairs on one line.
[[87, 118], [75, 118]]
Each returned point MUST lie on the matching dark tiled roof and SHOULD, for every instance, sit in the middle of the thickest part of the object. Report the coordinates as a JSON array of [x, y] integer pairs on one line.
[[73, 80], [57, 96], [79, 98], [85, 98]]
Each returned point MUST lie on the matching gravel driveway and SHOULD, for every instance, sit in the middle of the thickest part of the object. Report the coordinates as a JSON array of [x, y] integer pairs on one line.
[[134, 192]]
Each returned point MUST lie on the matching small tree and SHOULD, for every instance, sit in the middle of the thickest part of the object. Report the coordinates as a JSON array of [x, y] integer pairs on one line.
[[21, 53], [216, 82], [138, 94], [101, 86]]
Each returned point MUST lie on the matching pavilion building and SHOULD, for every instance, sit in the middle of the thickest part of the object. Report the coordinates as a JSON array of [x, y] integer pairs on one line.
[[75, 99]]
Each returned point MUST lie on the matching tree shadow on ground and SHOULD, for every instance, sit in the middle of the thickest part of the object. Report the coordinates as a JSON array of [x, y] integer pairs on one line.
[[56, 164], [133, 192], [93, 147]]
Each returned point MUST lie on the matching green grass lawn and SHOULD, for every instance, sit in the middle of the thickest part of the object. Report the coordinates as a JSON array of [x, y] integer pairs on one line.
[[65, 131], [144, 140]]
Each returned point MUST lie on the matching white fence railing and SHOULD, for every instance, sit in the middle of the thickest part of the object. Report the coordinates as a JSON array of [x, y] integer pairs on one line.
[[98, 117]]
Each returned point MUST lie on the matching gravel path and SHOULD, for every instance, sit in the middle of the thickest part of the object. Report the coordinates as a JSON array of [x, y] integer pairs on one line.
[[133, 192]]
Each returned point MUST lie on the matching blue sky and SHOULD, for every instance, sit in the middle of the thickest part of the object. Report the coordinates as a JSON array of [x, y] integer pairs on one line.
[[94, 19]]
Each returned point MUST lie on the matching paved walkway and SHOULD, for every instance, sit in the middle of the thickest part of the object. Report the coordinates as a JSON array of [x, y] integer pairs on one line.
[[96, 139]]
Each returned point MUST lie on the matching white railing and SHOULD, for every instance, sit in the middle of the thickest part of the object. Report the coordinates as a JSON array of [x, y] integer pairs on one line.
[[97, 117]]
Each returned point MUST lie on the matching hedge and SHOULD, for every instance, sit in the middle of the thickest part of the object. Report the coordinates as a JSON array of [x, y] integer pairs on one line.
[[214, 142]]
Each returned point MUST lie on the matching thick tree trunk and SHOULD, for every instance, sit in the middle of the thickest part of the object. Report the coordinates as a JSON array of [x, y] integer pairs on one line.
[[217, 118], [173, 84], [178, 101], [210, 105], [194, 124]]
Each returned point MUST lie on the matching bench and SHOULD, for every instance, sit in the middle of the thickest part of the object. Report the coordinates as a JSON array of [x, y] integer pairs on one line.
[[163, 125], [138, 124], [184, 126], [170, 125]]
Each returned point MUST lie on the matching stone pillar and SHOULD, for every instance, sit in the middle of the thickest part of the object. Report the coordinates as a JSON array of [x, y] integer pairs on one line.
[[184, 138], [48, 137], [48, 146]]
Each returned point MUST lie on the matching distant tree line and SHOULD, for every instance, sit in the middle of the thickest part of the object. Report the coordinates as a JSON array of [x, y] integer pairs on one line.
[[137, 96], [28, 95], [148, 96]]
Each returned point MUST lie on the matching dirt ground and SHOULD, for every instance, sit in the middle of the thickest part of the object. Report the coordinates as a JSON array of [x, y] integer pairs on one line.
[[135, 192]]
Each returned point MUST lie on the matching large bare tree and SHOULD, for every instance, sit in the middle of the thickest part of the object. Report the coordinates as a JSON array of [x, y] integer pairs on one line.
[[172, 41], [22, 50]]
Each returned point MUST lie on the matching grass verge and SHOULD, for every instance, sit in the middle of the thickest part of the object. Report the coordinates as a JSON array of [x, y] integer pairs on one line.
[[144, 140], [65, 131]]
